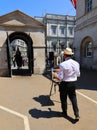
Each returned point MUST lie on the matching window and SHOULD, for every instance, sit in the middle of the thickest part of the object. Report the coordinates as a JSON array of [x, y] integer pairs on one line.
[[54, 44], [88, 5], [53, 29], [89, 49], [62, 30], [62, 45], [71, 30]]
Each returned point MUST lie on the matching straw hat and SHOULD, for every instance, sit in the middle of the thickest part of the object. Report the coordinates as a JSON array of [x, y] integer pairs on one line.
[[68, 51]]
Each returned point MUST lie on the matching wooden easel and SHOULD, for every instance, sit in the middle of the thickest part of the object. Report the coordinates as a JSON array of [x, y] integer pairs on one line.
[[54, 83]]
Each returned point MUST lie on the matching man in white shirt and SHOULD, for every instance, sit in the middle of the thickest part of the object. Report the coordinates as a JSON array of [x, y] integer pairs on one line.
[[69, 71]]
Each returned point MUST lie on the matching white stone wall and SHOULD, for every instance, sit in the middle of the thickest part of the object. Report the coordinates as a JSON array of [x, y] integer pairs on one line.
[[39, 60], [38, 39], [59, 21], [80, 10], [39, 51], [3, 54], [86, 26]]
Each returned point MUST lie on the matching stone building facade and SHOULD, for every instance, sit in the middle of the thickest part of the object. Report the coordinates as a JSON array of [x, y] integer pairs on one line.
[[85, 44], [17, 25], [59, 34]]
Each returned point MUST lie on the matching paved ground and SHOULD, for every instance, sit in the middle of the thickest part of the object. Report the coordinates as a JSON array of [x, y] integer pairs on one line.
[[25, 104]]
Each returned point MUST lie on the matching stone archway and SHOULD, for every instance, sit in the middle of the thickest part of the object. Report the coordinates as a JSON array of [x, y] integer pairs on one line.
[[19, 26], [27, 67], [86, 61]]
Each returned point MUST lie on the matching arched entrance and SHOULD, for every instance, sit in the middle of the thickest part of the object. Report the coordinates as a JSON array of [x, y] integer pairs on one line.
[[86, 53], [22, 42]]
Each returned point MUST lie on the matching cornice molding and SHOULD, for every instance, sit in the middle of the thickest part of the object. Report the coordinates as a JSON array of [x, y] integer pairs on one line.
[[86, 23]]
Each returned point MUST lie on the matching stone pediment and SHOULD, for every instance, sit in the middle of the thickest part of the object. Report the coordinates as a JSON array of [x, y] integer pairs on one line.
[[18, 18], [14, 22]]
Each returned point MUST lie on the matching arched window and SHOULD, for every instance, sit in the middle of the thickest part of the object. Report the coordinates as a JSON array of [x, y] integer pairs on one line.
[[89, 49]]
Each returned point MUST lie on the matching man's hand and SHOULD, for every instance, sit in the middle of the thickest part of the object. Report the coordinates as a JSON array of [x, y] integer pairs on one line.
[[57, 71], [54, 75]]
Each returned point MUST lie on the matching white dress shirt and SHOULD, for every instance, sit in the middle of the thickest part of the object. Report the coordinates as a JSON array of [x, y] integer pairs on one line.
[[69, 70]]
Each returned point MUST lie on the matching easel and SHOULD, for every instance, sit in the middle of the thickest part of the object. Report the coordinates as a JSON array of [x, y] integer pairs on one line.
[[54, 83]]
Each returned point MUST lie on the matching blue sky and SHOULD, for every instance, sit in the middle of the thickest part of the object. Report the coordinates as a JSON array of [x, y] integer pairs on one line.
[[37, 7]]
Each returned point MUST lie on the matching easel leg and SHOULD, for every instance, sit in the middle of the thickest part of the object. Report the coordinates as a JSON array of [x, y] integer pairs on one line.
[[55, 87], [51, 89]]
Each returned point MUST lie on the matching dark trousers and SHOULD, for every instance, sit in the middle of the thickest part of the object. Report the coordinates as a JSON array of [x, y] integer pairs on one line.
[[68, 89]]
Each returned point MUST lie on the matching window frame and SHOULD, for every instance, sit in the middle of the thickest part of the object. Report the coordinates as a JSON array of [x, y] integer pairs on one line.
[[89, 49], [88, 5], [62, 30], [71, 31], [53, 29]]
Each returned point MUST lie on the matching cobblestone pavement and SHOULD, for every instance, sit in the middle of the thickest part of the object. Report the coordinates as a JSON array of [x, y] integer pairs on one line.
[[25, 104]]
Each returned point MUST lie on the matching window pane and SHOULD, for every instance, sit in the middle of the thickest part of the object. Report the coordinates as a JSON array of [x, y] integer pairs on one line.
[[88, 5], [53, 29], [62, 30], [89, 49], [71, 30]]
